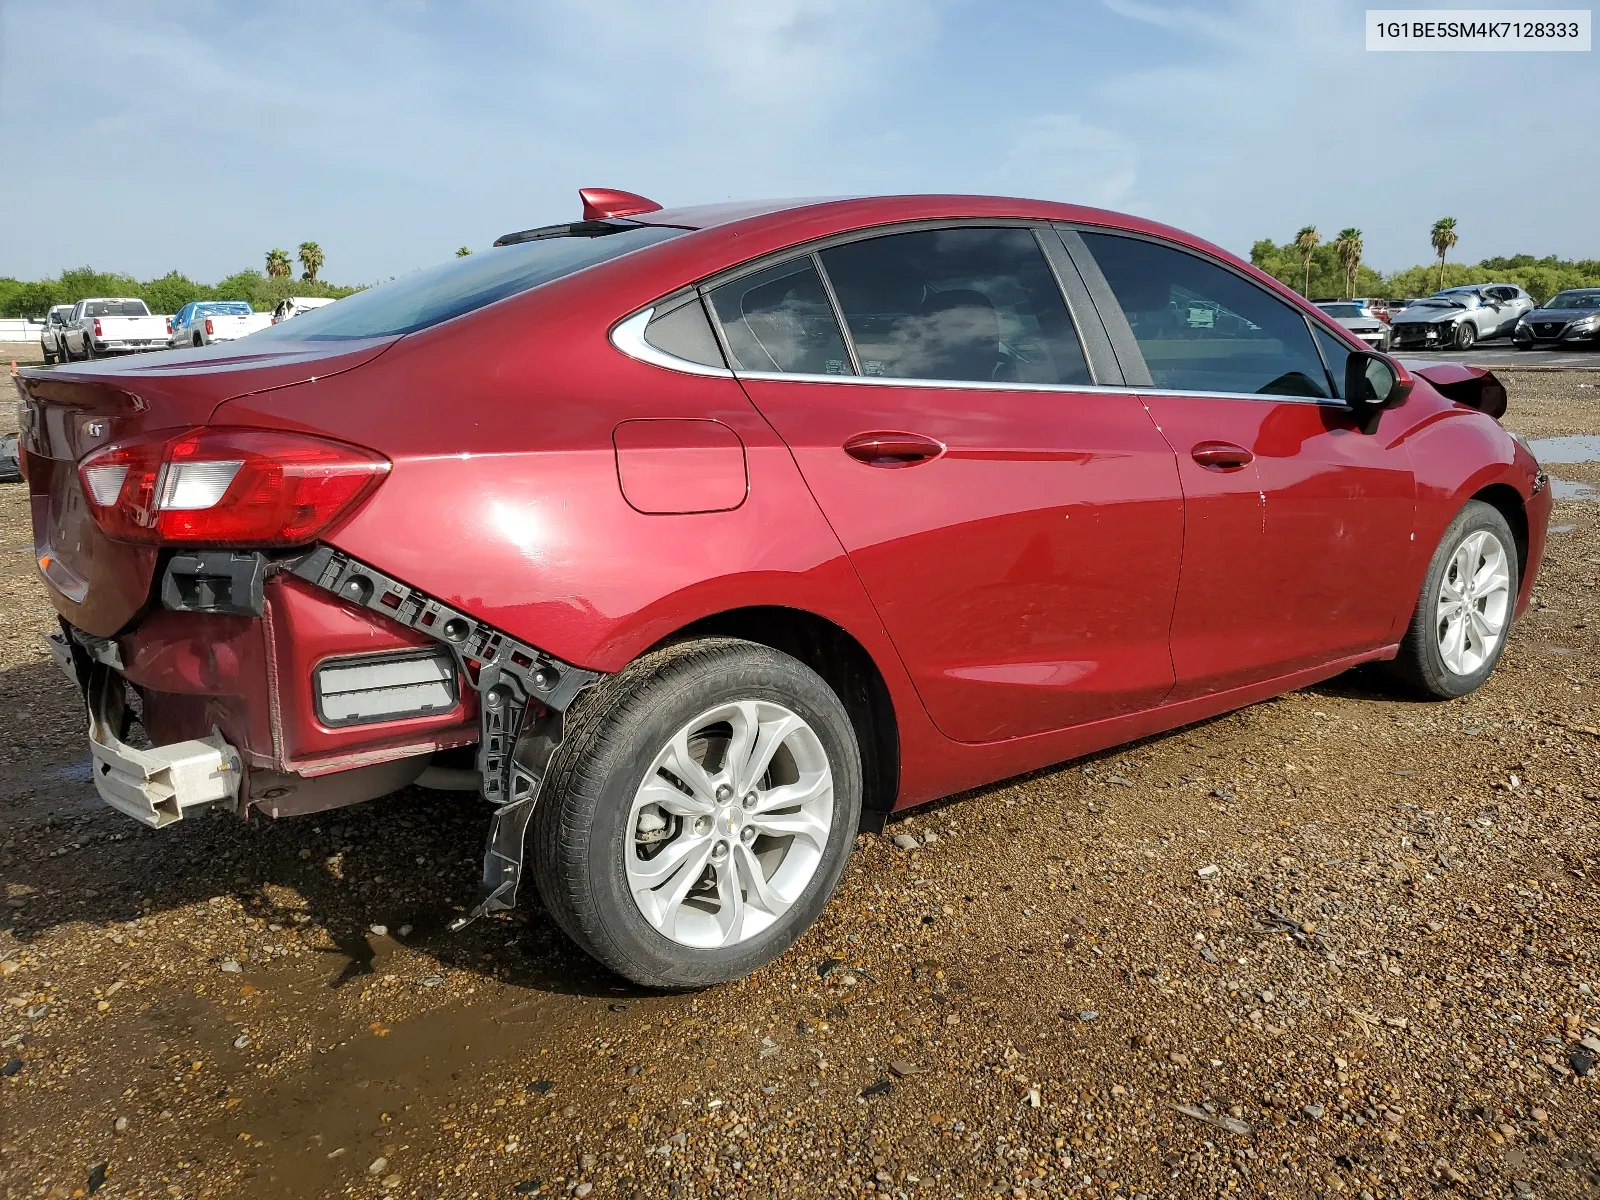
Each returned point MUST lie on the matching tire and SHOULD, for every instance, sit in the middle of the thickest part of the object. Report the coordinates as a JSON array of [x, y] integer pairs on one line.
[[49, 354], [1466, 335], [589, 826], [197, 342], [1423, 666], [89, 354]]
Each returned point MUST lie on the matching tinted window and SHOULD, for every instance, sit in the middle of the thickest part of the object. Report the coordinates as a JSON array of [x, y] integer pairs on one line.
[[779, 319], [968, 304], [1202, 328], [116, 308], [463, 284], [1342, 310], [1336, 353], [685, 332]]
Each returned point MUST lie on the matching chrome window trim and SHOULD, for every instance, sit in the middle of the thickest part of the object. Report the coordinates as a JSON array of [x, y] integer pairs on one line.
[[987, 386], [627, 335]]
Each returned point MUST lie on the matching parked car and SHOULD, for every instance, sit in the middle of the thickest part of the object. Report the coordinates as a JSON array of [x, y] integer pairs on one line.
[[10, 465], [201, 322], [293, 306], [51, 336], [1570, 318], [105, 325], [1459, 317], [1359, 320], [765, 520]]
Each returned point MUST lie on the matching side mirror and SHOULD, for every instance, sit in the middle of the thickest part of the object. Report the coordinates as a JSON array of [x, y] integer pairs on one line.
[[1373, 383]]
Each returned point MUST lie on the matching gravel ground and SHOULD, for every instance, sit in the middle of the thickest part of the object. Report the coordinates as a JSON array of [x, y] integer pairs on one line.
[[1332, 945]]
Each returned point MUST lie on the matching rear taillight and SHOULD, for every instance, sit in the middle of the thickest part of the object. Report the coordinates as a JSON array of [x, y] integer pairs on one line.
[[209, 329], [226, 487], [169, 326], [97, 327]]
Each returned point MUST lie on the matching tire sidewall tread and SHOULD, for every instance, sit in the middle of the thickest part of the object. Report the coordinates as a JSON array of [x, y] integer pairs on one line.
[[613, 733]]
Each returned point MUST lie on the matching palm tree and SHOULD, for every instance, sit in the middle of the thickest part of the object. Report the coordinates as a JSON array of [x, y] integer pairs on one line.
[[311, 260], [1348, 247], [1444, 236], [1306, 241], [278, 264], [463, 251]]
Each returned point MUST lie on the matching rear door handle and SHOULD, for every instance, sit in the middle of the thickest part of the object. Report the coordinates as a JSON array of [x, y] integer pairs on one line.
[[1221, 456], [893, 449]]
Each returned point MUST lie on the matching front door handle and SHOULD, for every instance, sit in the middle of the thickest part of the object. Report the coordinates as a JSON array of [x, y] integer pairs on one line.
[[1221, 456], [893, 449]]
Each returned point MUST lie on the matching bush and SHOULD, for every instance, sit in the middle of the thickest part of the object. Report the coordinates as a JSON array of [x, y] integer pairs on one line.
[[20, 298]]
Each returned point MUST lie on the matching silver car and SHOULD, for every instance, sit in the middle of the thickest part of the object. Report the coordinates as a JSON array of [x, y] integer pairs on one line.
[[1359, 320], [1459, 317]]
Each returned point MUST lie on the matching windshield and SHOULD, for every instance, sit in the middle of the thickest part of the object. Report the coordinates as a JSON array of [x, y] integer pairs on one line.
[[1342, 310], [1441, 302], [1574, 300], [115, 308], [453, 288]]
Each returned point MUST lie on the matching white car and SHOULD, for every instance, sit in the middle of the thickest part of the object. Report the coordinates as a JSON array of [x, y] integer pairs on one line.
[[1359, 320], [54, 332], [295, 305], [201, 322], [111, 325]]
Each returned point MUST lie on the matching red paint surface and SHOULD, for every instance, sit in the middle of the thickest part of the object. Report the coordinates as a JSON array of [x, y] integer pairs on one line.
[[677, 466], [1062, 577]]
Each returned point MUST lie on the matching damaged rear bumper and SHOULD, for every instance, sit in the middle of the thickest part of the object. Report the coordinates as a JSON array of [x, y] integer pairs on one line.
[[157, 785]]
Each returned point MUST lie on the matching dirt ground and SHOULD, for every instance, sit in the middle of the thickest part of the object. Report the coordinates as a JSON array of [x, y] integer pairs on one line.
[[1335, 944]]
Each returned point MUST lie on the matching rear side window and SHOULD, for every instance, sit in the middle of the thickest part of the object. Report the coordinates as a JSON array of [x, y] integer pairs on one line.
[[779, 319], [1201, 328], [463, 284], [978, 305], [684, 331]]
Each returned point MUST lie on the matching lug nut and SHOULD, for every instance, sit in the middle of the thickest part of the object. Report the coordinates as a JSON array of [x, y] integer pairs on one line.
[[749, 800], [748, 834], [702, 825], [720, 851], [724, 793]]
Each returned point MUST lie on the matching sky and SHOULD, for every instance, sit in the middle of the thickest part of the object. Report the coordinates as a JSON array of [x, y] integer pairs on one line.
[[195, 136]]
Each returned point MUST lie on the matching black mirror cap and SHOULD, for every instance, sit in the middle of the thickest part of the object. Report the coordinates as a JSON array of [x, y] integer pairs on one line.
[[1374, 382]]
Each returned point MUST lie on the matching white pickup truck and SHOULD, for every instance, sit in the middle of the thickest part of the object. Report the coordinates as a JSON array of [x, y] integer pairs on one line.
[[55, 327], [201, 322], [109, 325]]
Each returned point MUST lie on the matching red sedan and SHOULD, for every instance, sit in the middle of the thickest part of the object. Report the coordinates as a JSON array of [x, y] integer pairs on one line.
[[697, 539]]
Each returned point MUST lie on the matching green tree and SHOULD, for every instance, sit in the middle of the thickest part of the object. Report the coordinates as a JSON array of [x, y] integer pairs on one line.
[[278, 264], [1347, 246], [1306, 241], [1443, 238], [463, 251], [311, 260], [172, 291]]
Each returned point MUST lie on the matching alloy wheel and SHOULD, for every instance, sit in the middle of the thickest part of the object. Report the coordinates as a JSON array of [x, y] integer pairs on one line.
[[1474, 603], [730, 824]]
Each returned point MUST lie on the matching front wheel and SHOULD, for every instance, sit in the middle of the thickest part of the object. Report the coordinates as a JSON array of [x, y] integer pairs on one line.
[[1463, 616], [49, 354], [1466, 335], [699, 812]]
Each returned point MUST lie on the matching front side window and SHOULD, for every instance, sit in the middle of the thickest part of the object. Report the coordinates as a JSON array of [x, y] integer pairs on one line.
[[1201, 328], [779, 319], [970, 304]]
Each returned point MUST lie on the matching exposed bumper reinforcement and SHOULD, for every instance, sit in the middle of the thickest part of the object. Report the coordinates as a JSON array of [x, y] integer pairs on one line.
[[156, 785], [522, 694]]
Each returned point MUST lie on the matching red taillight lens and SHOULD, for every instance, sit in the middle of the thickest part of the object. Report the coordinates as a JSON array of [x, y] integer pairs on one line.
[[230, 487], [169, 326], [209, 329], [97, 327]]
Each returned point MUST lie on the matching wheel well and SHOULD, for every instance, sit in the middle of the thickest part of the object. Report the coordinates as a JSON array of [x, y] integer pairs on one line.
[[845, 666], [1508, 501]]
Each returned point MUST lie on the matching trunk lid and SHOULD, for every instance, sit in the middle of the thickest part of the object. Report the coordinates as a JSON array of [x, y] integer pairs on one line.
[[96, 583]]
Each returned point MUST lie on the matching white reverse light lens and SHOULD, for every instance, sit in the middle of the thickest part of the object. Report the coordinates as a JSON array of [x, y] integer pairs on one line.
[[105, 484], [193, 485]]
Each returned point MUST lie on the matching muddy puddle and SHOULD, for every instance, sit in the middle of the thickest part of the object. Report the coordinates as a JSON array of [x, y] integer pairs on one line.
[[1570, 450]]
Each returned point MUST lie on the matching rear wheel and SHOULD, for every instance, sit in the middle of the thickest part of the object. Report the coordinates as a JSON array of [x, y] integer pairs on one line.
[[1466, 335], [699, 812], [197, 341], [89, 352], [1463, 616]]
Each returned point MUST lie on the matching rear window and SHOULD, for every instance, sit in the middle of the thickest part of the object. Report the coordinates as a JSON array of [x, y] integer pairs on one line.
[[116, 308], [224, 308], [1342, 310], [440, 293]]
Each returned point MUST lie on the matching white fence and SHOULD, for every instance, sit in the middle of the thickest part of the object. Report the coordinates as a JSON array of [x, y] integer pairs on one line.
[[16, 329]]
